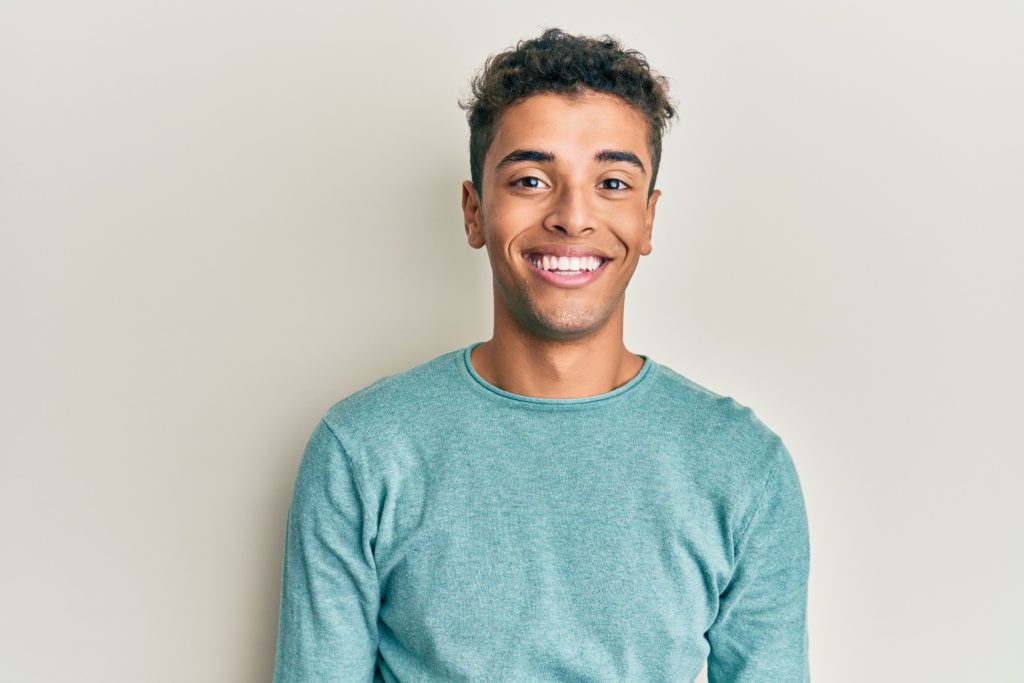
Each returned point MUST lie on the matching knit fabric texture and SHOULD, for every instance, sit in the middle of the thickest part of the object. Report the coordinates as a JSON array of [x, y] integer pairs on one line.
[[444, 529]]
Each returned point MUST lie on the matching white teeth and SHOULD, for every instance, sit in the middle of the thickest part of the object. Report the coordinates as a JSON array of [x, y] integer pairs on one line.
[[567, 264]]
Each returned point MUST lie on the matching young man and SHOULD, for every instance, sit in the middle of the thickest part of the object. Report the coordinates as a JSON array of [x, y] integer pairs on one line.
[[547, 505]]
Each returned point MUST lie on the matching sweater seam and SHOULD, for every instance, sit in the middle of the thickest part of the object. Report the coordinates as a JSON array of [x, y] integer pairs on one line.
[[351, 466], [639, 383], [349, 463], [742, 536]]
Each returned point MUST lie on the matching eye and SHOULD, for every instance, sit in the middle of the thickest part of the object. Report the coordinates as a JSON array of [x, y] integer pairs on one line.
[[529, 182], [614, 184]]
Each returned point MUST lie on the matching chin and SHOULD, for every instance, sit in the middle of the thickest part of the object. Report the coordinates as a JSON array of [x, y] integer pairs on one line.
[[567, 324], [557, 320]]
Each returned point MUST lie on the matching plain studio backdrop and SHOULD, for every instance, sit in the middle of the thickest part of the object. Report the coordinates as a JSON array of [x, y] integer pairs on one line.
[[218, 218]]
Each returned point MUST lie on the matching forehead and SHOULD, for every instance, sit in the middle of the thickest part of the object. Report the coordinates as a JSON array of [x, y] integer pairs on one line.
[[564, 124]]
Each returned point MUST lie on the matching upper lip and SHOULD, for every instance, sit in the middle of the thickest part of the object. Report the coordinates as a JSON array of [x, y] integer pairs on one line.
[[566, 250]]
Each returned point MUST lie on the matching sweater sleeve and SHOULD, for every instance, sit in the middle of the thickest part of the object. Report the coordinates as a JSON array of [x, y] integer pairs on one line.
[[329, 595], [760, 632]]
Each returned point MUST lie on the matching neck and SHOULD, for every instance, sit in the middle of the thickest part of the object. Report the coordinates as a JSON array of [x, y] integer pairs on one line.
[[529, 365]]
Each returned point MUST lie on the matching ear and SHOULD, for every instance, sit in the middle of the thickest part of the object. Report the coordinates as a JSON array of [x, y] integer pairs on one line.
[[652, 202], [472, 214]]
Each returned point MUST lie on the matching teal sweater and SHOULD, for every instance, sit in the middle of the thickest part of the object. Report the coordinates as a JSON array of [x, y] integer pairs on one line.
[[443, 529]]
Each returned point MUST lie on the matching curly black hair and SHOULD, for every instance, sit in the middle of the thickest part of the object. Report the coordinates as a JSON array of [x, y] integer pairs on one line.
[[562, 63]]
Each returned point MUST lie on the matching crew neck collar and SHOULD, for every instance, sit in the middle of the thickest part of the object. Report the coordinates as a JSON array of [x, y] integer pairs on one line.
[[596, 400]]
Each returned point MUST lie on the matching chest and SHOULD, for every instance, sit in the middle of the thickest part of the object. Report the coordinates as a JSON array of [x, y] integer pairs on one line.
[[559, 536]]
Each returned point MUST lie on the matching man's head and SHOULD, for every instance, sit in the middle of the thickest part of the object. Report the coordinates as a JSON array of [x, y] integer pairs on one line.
[[560, 63], [565, 132]]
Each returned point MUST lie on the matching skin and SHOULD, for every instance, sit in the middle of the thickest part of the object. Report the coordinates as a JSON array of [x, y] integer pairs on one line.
[[550, 341]]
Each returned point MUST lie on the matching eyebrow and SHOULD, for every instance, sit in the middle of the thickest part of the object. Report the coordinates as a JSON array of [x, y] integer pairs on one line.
[[525, 155], [604, 155], [618, 155]]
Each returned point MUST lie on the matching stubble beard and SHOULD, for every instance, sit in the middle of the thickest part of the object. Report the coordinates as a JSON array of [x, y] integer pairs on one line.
[[561, 320]]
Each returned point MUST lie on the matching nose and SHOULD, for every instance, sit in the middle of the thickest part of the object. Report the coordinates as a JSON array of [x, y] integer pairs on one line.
[[570, 212]]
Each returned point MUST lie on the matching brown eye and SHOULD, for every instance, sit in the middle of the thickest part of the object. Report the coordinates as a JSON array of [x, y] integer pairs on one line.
[[614, 184], [528, 182]]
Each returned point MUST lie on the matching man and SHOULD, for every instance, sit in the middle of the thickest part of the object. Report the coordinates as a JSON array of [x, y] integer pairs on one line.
[[547, 505]]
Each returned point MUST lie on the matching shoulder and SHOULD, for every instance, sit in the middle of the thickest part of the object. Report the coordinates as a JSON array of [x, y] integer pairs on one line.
[[731, 436], [742, 463], [395, 399]]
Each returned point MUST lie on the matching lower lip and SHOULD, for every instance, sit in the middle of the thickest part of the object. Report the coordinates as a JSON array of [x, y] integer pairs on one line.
[[578, 279]]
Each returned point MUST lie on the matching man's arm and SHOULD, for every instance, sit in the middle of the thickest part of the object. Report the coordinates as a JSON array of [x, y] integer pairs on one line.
[[760, 633], [329, 594]]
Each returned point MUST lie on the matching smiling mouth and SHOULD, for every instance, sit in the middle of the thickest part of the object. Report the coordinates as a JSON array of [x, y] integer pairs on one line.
[[566, 272], [565, 265]]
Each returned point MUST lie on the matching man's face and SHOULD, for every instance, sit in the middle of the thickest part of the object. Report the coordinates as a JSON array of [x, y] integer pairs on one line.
[[565, 190]]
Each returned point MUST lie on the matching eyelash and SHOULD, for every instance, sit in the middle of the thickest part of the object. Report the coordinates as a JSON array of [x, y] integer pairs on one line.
[[518, 182], [623, 185]]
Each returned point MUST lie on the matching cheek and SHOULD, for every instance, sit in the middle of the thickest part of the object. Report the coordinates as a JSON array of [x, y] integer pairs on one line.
[[629, 226], [505, 220]]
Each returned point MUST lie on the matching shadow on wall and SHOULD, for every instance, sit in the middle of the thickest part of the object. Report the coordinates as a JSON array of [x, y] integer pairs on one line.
[[440, 301]]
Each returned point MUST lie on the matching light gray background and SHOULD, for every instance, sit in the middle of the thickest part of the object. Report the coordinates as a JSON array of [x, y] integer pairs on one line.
[[220, 217]]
